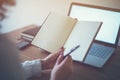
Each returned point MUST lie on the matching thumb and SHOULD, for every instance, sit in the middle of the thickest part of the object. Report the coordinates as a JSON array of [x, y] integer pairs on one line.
[[67, 60], [59, 60]]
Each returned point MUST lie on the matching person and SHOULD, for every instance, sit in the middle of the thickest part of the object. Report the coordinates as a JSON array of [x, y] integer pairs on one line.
[[12, 69]]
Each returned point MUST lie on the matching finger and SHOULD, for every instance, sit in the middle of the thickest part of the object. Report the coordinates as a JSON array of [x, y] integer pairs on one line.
[[58, 53], [60, 59], [61, 51], [53, 56], [67, 60]]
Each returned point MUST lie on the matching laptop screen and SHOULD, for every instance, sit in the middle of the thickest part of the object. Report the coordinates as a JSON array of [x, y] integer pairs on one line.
[[110, 19]]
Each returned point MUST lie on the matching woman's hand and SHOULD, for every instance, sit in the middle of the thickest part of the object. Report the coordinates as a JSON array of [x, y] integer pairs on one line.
[[49, 61], [62, 69]]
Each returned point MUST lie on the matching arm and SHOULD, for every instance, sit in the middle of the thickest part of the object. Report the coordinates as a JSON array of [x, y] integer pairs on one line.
[[35, 67]]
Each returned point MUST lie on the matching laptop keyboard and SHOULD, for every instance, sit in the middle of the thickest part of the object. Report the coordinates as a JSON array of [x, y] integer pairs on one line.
[[100, 50]]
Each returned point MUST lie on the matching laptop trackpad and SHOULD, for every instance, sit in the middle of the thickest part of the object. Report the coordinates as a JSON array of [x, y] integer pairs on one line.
[[98, 55]]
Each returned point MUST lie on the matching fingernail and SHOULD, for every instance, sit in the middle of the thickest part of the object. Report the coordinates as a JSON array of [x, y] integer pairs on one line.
[[61, 52]]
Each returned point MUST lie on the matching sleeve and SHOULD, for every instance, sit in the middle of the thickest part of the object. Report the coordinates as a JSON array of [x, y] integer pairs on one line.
[[32, 68]]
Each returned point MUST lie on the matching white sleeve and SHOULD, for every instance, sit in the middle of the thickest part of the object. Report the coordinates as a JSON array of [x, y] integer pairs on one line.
[[32, 68]]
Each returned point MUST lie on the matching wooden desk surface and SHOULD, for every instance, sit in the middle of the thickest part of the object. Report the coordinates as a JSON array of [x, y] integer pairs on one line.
[[111, 70]]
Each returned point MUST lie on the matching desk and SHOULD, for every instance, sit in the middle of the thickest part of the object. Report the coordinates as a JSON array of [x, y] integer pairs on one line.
[[111, 70]]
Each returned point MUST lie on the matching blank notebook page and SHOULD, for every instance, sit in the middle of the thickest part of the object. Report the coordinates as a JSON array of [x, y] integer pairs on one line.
[[54, 32], [83, 34]]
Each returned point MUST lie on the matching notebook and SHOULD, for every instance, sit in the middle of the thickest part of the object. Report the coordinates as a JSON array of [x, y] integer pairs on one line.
[[106, 40], [60, 30]]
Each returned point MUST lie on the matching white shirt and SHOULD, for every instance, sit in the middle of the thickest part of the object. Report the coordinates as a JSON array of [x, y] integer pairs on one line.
[[32, 68]]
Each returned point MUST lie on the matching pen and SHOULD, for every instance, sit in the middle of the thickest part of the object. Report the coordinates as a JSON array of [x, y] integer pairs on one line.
[[72, 50]]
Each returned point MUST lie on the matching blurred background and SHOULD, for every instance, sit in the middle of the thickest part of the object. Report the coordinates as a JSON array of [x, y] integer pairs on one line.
[[27, 12]]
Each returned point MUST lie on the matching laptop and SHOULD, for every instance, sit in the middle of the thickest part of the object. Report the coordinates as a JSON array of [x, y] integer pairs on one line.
[[106, 41], [101, 51]]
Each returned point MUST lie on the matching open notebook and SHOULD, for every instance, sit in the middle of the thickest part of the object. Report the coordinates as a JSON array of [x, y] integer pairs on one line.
[[60, 30]]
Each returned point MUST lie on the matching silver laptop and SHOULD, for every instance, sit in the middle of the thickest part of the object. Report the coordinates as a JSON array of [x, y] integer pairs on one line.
[[106, 40], [101, 51]]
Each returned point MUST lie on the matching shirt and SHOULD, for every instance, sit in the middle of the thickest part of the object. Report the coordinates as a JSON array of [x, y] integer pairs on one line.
[[32, 68]]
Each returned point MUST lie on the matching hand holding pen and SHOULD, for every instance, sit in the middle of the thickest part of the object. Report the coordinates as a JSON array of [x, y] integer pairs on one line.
[[63, 65]]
